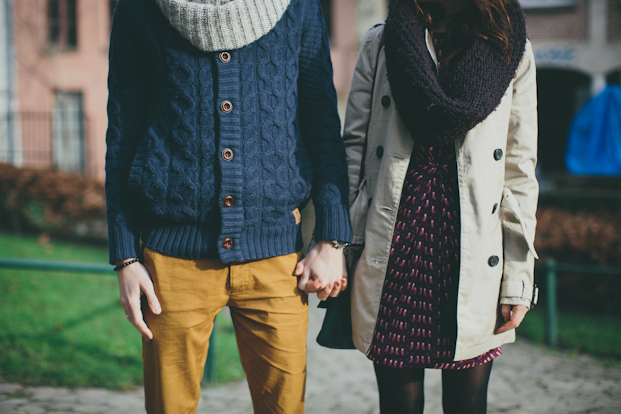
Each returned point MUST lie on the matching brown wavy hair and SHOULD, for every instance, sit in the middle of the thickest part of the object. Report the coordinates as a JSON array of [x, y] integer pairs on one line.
[[484, 19]]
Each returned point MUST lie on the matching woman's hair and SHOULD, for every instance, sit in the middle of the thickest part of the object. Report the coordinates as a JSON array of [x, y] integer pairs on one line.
[[484, 19]]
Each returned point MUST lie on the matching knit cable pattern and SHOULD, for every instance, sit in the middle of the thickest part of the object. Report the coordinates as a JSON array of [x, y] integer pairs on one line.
[[167, 176]]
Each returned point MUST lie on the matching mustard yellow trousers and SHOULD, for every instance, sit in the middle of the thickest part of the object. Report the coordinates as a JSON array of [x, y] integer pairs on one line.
[[270, 317]]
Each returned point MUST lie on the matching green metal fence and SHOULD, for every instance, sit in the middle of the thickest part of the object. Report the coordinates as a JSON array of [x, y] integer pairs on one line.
[[209, 375], [551, 268]]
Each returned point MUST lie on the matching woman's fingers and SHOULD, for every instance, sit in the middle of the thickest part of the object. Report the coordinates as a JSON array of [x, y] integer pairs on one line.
[[314, 284], [325, 293], [338, 287], [513, 315]]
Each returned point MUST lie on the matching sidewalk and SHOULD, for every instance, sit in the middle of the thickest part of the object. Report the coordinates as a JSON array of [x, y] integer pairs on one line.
[[527, 379]]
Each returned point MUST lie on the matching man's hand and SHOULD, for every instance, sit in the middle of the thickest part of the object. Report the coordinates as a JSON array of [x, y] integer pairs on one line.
[[323, 270], [513, 315], [134, 281]]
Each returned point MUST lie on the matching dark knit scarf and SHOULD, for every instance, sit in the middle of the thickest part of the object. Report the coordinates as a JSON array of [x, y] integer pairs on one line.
[[473, 87]]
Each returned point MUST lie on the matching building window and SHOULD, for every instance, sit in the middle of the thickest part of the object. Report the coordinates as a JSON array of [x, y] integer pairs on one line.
[[63, 33], [111, 7], [68, 132]]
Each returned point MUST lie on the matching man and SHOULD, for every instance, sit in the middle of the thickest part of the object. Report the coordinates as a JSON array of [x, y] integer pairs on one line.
[[222, 125]]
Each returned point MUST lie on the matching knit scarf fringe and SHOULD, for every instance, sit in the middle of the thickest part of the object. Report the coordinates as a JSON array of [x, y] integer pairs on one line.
[[217, 25], [473, 87]]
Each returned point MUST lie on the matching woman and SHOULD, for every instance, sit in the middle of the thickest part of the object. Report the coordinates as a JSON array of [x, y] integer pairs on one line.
[[442, 121]]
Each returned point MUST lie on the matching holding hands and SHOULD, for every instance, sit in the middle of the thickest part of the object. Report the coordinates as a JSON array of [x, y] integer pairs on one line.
[[323, 271]]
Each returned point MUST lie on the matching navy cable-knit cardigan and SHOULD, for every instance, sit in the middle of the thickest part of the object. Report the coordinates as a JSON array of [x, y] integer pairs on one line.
[[174, 154]]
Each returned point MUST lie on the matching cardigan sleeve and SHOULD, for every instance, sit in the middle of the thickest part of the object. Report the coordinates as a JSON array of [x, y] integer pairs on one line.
[[519, 203], [127, 105], [320, 128]]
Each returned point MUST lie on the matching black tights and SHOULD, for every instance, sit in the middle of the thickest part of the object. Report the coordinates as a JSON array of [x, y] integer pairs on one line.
[[464, 391]]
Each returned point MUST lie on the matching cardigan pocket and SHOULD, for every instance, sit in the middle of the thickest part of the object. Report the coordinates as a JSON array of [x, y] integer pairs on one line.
[[513, 213]]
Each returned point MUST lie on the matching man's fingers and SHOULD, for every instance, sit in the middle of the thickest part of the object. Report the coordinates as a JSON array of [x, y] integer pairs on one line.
[[135, 317], [299, 268], [344, 284], [152, 300]]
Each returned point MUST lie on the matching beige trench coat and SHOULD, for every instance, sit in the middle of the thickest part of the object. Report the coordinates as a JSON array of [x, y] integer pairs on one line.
[[498, 195]]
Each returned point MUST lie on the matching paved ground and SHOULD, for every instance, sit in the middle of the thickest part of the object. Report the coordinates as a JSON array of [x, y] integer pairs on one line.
[[527, 379]]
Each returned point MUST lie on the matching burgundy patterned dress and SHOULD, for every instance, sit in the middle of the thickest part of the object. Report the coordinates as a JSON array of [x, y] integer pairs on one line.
[[423, 266]]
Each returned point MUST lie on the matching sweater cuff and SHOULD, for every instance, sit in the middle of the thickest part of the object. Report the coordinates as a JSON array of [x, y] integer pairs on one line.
[[332, 223], [122, 243]]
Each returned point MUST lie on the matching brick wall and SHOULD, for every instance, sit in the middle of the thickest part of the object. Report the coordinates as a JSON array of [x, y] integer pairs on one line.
[[614, 21], [570, 23]]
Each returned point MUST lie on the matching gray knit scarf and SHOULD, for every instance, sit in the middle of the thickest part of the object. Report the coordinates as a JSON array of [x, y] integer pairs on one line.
[[215, 25]]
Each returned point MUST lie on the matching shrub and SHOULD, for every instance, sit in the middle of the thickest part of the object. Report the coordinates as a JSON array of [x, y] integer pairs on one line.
[[50, 201]]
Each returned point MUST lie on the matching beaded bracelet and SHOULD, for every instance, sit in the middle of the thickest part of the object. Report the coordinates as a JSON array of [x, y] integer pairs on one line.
[[122, 265]]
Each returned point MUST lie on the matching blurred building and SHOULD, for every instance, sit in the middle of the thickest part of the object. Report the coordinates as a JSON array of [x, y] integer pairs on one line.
[[53, 111], [577, 46], [53, 69]]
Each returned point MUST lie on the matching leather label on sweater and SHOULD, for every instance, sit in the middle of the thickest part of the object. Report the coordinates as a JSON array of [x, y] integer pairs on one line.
[[297, 215]]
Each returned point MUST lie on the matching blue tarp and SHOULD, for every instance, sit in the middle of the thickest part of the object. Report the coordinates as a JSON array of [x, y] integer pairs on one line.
[[594, 144]]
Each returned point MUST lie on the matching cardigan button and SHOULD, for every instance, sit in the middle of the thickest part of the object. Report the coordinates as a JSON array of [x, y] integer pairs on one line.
[[227, 243], [495, 208], [228, 201], [493, 261], [379, 151], [225, 57], [385, 101], [227, 154], [497, 154], [226, 106]]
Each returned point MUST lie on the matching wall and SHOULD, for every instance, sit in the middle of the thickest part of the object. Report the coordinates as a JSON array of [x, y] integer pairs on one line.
[[42, 71]]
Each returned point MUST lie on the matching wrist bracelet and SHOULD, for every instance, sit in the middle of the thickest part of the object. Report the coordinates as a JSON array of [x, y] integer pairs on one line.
[[122, 265]]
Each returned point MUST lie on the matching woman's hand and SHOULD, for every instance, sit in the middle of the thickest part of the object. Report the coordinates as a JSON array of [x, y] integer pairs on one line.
[[134, 281], [513, 314]]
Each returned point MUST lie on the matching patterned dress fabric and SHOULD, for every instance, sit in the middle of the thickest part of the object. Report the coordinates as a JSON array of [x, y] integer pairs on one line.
[[423, 265]]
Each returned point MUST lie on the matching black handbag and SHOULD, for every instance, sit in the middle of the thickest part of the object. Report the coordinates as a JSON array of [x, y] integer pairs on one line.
[[336, 330]]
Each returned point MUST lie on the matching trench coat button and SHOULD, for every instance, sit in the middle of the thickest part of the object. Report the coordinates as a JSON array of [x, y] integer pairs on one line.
[[226, 106], [495, 208], [370, 201], [228, 201], [497, 154], [493, 261], [227, 243], [379, 151], [227, 154], [225, 57], [385, 101]]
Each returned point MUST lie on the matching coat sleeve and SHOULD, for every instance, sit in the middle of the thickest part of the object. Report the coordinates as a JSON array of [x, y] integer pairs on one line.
[[357, 116], [127, 105], [320, 127], [519, 203]]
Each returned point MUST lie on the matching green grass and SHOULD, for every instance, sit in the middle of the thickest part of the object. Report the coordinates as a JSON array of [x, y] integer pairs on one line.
[[69, 328], [597, 335]]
